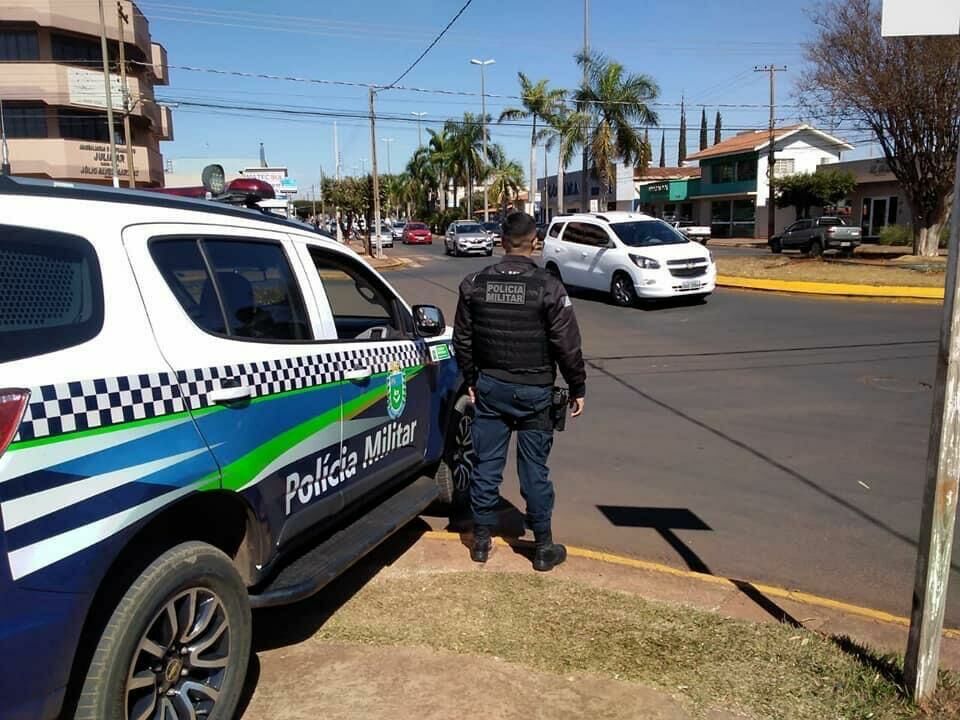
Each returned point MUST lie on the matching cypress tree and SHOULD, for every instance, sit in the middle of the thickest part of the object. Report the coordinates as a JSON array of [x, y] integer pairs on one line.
[[716, 129], [682, 144], [703, 128], [663, 148]]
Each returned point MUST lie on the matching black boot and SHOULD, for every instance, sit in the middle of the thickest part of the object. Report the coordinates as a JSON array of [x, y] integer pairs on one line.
[[547, 554], [482, 544]]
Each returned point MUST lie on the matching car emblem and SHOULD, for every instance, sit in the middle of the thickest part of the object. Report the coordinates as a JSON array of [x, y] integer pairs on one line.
[[396, 391]]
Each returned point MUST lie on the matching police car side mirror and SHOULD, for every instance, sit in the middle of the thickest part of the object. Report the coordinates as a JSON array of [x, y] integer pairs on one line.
[[428, 320]]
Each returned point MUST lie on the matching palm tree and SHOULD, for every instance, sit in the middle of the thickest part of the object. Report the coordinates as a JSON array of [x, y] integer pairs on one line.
[[617, 102], [505, 177], [570, 128], [467, 161], [538, 102], [424, 185], [442, 158]]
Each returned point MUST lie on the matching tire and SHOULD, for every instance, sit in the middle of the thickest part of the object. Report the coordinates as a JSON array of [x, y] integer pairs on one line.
[[815, 249], [622, 292], [446, 248], [776, 246], [185, 581], [554, 270], [459, 458], [489, 253]]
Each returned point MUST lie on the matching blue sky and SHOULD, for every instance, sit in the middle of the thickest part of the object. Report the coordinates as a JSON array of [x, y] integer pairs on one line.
[[703, 50]]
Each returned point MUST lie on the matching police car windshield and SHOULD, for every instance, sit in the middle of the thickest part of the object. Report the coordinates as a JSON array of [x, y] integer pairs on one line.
[[645, 233], [469, 228]]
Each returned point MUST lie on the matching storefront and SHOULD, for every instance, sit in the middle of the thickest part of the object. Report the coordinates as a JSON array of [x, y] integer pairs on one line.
[[668, 199], [731, 218]]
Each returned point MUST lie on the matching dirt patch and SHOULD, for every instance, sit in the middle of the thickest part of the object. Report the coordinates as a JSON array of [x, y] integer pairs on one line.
[[711, 663], [811, 270]]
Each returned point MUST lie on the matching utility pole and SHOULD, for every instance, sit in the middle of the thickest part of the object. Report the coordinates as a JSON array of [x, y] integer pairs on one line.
[[106, 88], [336, 160], [5, 163], [373, 170], [584, 182], [122, 19], [483, 127], [419, 116], [771, 200]]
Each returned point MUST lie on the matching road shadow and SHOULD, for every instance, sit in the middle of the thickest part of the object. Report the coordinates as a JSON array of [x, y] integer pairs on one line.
[[760, 455], [665, 522]]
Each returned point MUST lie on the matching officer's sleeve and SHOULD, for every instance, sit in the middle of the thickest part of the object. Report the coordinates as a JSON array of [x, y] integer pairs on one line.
[[564, 336], [463, 334]]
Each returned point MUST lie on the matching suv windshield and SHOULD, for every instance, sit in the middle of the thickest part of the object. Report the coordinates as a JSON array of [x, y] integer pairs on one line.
[[645, 233], [469, 228]]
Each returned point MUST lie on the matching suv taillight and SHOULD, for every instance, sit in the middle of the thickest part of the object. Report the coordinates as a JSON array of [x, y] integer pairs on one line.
[[13, 402], [831, 230]]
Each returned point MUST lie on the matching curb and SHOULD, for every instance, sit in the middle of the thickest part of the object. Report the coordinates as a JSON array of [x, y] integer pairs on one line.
[[822, 288], [770, 590], [396, 263]]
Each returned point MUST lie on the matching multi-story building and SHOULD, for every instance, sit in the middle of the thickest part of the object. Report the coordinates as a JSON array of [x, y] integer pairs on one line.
[[54, 99]]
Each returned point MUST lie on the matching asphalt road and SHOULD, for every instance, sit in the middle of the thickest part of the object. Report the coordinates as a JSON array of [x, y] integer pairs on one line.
[[766, 437]]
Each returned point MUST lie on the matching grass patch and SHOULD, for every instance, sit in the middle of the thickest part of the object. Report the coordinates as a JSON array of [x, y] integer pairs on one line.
[[762, 670], [788, 268]]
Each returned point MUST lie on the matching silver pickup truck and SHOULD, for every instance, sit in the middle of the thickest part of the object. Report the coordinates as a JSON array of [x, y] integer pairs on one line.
[[814, 236]]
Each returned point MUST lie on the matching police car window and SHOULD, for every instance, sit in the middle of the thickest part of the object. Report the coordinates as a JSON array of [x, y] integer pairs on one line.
[[363, 308], [51, 296], [252, 293]]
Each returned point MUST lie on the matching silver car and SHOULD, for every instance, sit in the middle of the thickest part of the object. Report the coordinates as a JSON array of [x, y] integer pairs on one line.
[[465, 237]]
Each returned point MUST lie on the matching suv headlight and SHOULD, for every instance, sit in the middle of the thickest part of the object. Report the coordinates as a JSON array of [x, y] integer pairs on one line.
[[644, 262]]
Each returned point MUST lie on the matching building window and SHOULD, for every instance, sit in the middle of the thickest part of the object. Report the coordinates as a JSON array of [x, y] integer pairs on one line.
[[747, 169], [594, 191], [19, 45], [25, 121], [722, 173], [70, 49], [733, 218], [86, 125], [783, 167]]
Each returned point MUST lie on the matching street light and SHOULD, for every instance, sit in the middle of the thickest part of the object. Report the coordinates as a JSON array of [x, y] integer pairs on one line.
[[483, 121], [419, 115], [388, 141]]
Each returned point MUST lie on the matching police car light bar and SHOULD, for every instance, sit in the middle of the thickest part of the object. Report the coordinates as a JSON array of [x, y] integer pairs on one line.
[[240, 191]]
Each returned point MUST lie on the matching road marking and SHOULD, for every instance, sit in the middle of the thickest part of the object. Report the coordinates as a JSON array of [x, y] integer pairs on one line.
[[823, 288], [771, 590]]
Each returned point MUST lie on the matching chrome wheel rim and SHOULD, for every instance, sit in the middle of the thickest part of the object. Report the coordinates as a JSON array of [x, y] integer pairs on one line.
[[179, 665], [620, 291], [464, 455]]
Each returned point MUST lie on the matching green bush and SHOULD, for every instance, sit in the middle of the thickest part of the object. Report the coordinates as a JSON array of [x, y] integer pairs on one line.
[[896, 235], [439, 221]]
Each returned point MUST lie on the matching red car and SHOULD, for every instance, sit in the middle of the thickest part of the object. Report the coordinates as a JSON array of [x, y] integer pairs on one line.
[[415, 233]]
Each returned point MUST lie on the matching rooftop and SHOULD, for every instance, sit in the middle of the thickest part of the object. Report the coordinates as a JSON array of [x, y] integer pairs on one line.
[[667, 173], [753, 140]]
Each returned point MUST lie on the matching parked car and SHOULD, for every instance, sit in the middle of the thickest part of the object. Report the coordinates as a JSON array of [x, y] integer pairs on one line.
[[386, 235], [700, 233], [814, 236], [493, 230], [629, 255], [416, 233], [212, 410], [541, 231], [465, 237], [396, 230]]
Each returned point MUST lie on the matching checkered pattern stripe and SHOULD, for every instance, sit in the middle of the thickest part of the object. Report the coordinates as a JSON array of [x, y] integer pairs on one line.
[[86, 404]]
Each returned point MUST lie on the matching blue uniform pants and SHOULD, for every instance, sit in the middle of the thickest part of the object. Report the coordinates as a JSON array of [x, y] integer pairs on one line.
[[501, 408]]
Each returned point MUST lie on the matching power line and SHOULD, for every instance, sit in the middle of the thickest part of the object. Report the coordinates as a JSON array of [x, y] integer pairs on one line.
[[430, 46]]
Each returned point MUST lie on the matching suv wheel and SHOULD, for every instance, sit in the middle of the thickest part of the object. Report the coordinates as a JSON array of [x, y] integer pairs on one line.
[[622, 291], [815, 249], [176, 646], [776, 246], [554, 270]]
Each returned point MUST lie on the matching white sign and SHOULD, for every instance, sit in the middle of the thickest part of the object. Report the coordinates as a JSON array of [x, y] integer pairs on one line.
[[920, 17], [594, 205], [85, 87]]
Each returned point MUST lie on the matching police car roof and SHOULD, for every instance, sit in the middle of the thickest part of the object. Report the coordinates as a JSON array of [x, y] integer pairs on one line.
[[31, 187], [611, 216]]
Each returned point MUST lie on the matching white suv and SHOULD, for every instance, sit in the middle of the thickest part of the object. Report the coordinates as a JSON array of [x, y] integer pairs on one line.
[[630, 255]]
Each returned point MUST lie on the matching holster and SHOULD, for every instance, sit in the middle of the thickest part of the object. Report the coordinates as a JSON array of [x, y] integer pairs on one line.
[[558, 408]]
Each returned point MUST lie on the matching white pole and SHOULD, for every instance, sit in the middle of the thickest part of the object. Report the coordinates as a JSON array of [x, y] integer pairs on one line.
[[336, 160], [483, 125]]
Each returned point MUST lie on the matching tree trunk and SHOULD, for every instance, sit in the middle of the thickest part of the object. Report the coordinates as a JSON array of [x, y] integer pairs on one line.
[[926, 240], [560, 181], [533, 168]]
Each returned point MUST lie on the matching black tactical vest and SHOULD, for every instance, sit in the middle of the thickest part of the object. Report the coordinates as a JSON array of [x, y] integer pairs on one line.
[[509, 327]]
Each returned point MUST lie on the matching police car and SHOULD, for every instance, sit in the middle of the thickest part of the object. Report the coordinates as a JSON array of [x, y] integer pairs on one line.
[[203, 409], [630, 255]]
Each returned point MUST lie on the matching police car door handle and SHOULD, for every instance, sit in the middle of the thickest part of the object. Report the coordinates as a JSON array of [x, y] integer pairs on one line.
[[358, 373], [229, 394]]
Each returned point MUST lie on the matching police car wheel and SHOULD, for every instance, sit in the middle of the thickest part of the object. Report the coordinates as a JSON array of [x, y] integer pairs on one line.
[[177, 644], [453, 475], [622, 291]]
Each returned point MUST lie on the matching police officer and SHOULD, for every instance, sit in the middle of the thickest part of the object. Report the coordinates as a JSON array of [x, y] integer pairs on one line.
[[514, 326]]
